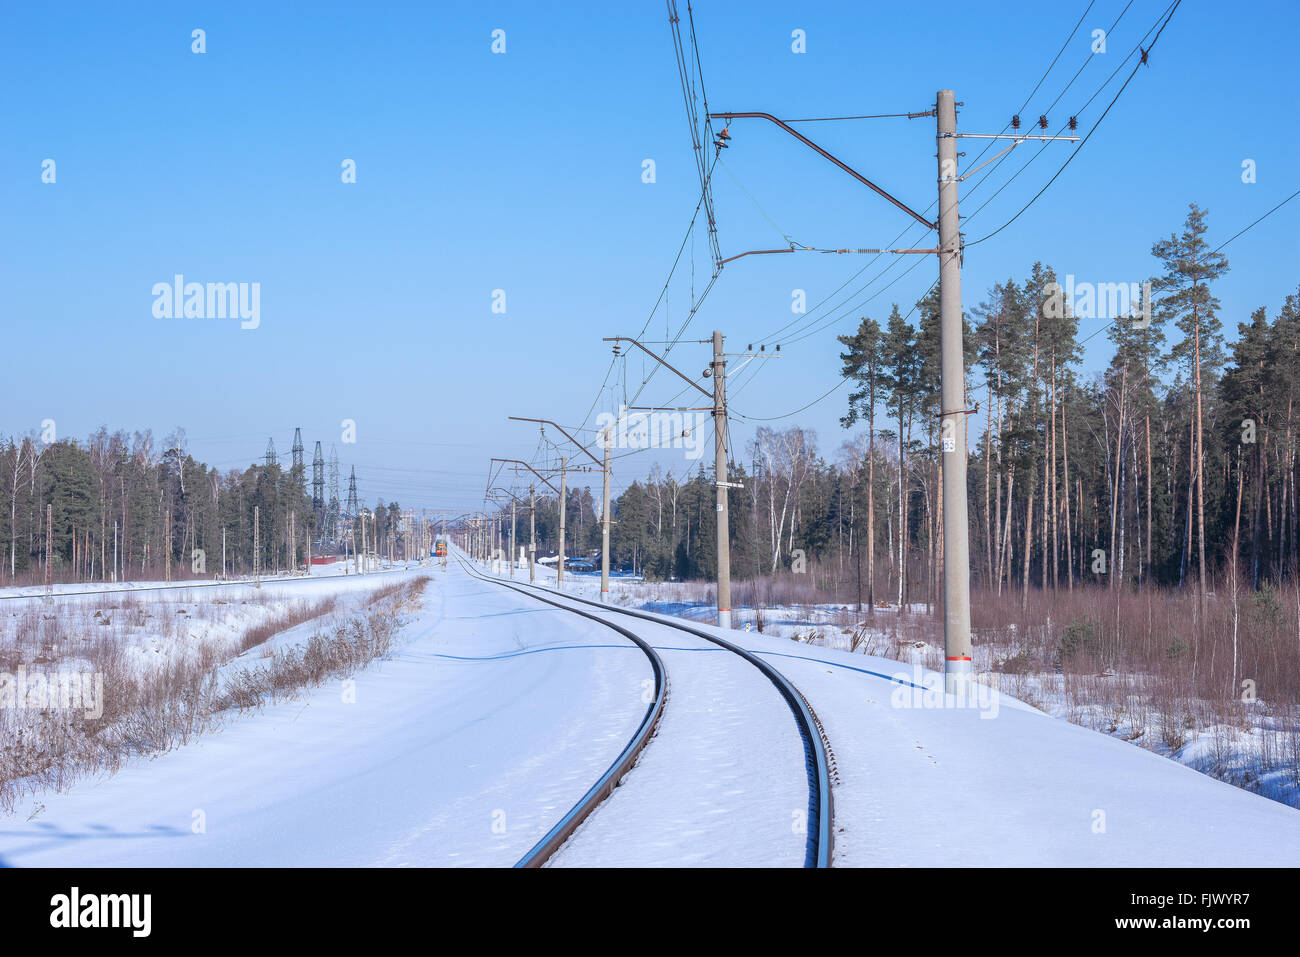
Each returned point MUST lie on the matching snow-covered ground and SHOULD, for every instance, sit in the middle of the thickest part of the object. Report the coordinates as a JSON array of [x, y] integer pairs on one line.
[[999, 782], [497, 713], [1003, 784], [156, 623], [338, 569], [495, 717], [722, 784], [1260, 752]]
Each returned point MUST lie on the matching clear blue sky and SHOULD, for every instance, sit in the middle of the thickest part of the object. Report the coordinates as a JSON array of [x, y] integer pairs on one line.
[[523, 172]]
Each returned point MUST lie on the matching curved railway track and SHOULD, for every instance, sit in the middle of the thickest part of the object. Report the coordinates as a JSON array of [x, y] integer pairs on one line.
[[819, 837], [554, 839]]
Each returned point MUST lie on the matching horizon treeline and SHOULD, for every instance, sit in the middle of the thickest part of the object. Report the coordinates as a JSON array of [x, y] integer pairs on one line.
[[1173, 465], [156, 502]]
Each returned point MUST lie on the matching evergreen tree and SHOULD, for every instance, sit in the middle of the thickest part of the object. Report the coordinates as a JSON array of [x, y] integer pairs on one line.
[[1185, 296]]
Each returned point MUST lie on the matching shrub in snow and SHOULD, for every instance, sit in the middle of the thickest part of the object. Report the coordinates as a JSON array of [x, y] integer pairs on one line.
[[1079, 638]]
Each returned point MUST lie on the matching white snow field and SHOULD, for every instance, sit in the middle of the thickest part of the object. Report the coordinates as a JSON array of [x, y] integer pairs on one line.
[[723, 783], [1007, 785], [498, 712], [492, 721], [999, 783], [156, 623]]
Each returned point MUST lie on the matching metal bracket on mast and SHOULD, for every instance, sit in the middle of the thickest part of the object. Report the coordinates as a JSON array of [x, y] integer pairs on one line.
[[1019, 138]]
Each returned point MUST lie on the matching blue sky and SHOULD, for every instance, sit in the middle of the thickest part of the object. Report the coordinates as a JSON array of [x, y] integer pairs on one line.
[[522, 171]]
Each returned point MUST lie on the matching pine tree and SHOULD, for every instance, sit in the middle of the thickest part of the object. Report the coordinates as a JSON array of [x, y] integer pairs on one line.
[[1190, 267], [900, 369], [1242, 391], [862, 363]]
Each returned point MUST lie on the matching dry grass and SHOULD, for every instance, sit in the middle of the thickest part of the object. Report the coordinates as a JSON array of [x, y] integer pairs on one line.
[[34, 577], [1144, 665], [151, 709], [339, 652]]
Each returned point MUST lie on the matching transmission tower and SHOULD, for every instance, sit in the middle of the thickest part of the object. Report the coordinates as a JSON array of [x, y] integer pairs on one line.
[[353, 505], [332, 506], [271, 457], [318, 486], [297, 448]]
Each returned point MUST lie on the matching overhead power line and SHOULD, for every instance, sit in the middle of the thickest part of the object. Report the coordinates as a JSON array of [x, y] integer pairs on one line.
[[811, 315], [833, 389], [1142, 61], [1260, 220]]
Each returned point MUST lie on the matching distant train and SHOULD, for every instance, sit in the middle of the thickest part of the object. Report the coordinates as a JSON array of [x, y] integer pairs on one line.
[[440, 548]]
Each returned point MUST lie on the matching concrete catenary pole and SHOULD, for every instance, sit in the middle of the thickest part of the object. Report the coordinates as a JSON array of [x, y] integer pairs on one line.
[[532, 535], [257, 547], [956, 529], [512, 535], [49, 553], [604, 524], [560, 565], [719, 368]]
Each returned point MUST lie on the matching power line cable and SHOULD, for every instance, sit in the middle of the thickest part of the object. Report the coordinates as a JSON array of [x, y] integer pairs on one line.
[[1075, 152], [808, 317]]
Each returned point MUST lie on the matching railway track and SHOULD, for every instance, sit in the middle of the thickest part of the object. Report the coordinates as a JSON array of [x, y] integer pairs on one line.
[[554, 839], [817, 759]]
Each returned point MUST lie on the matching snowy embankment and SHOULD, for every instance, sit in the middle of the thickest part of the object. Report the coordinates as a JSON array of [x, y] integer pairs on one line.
[[998, 782], [1001, 783], [88, 680], [491, 720], [1259, 751], [154, 624], [497, 713]]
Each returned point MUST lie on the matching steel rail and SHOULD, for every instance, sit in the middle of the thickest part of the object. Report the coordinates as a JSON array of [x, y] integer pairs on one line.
[[820, 831], [554, 839]]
